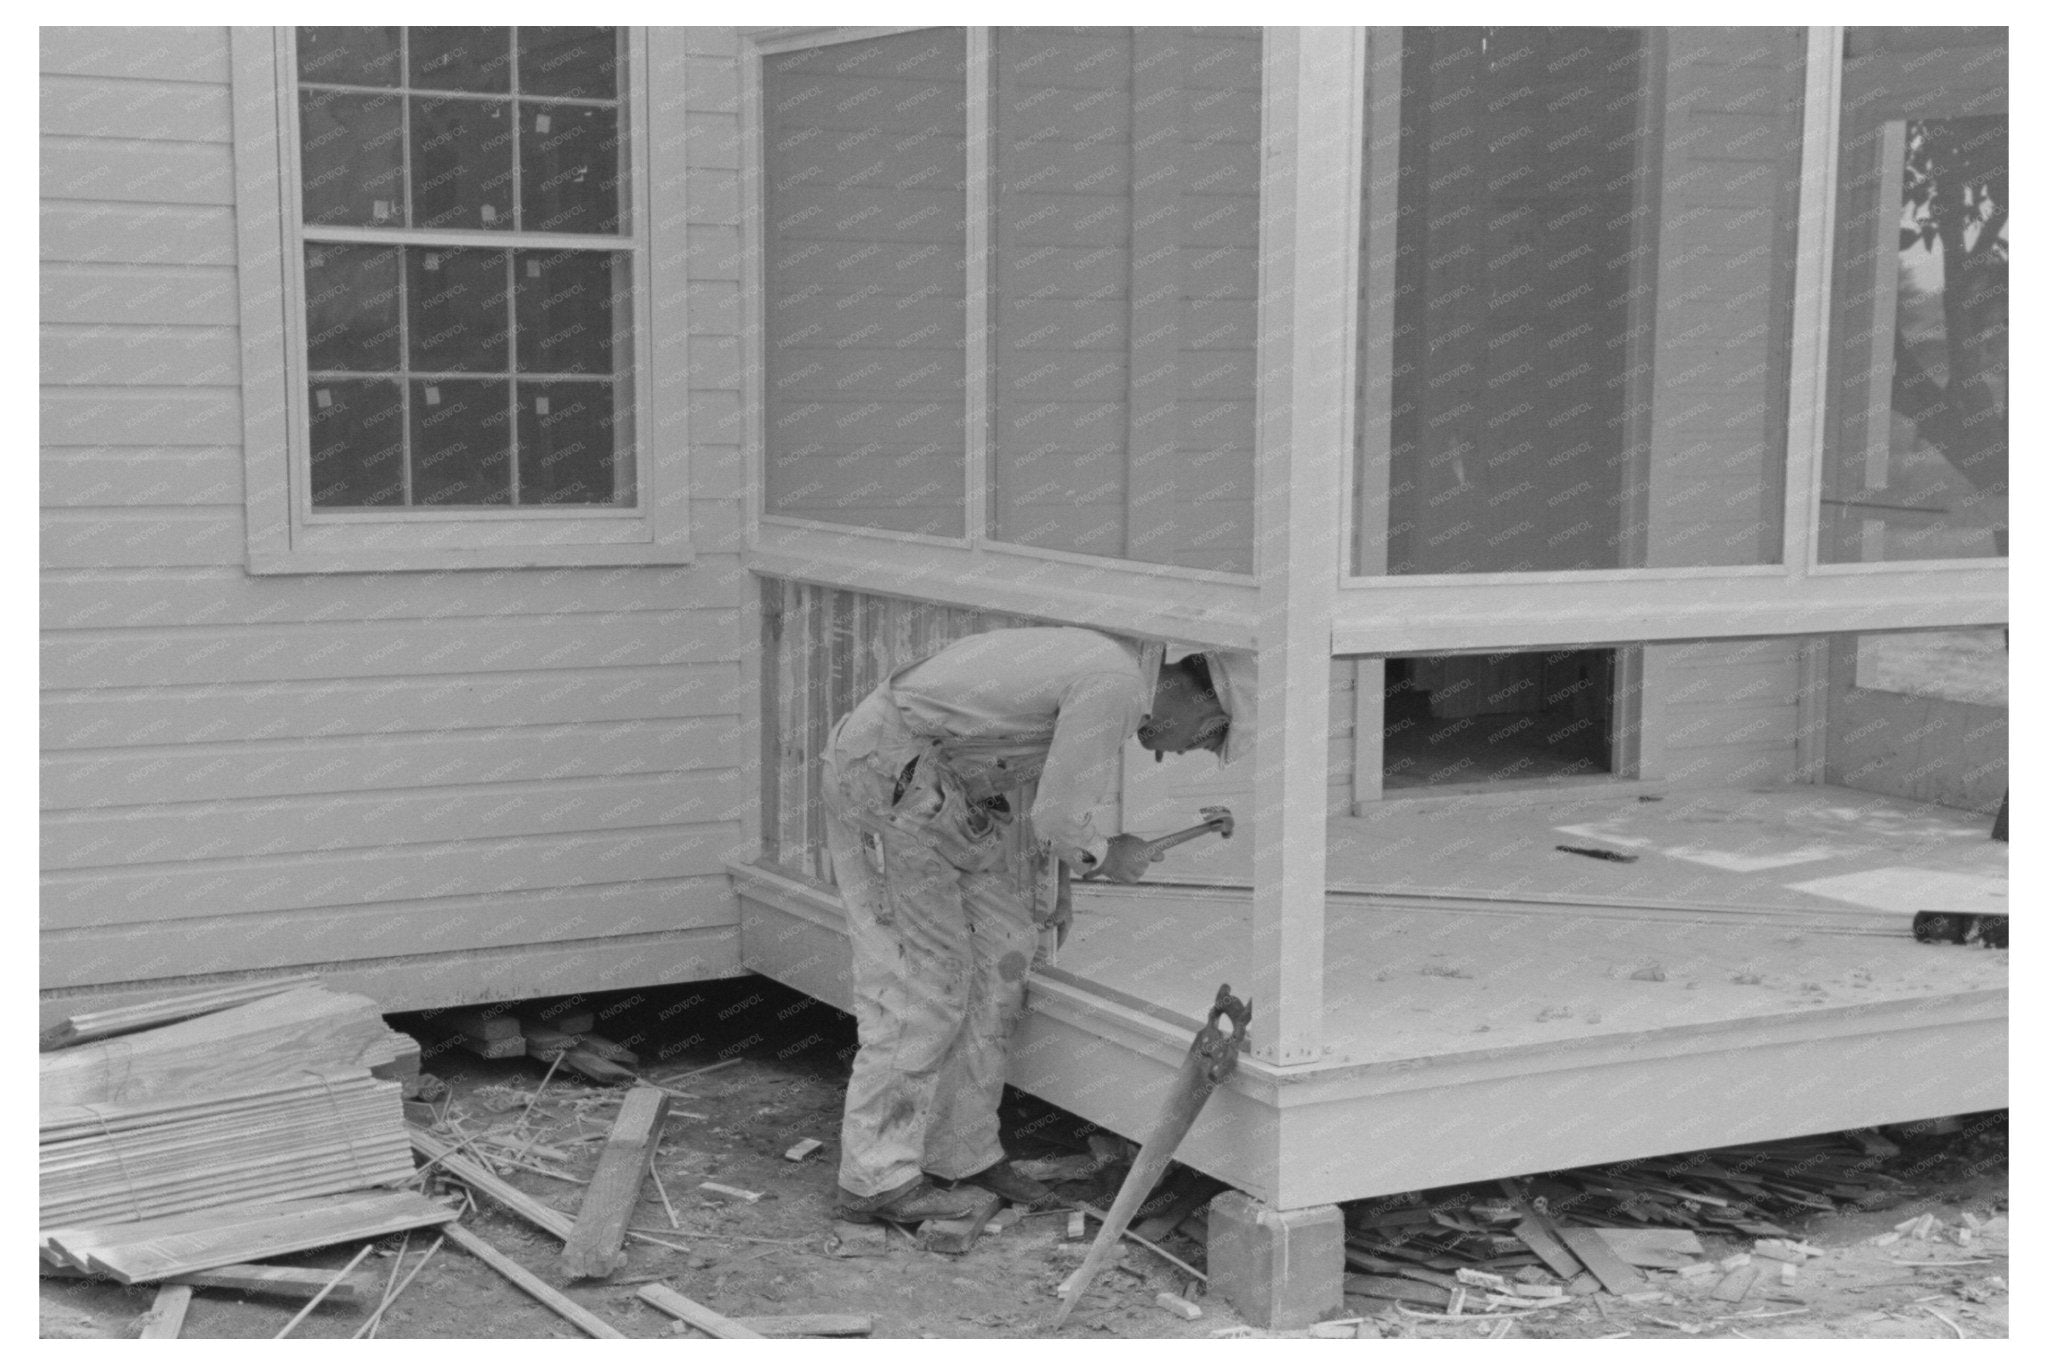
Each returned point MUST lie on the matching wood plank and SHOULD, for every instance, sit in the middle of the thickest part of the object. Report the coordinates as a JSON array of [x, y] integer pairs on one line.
[[1616, 1276], [279, 1035], [86, 1027], [277, 1281], [443, 1156], [583, 1318], [157, 1248], [810, 1325], [166, 1317], [696, 1314]]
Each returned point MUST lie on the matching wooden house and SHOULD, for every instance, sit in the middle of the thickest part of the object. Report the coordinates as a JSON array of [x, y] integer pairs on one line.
[[478, 464]]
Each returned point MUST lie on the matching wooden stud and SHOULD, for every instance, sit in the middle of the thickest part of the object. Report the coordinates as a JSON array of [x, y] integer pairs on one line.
[[696, 1314], [547, 1294], [596, 1245]]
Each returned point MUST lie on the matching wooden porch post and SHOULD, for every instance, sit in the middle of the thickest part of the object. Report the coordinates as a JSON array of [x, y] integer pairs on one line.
[[1308, 290]]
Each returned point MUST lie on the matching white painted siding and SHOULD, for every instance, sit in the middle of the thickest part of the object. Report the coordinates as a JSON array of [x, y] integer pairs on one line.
[[440, 786]]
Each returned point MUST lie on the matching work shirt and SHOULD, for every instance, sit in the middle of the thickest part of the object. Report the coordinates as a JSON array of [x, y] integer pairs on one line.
[[1072, 695]]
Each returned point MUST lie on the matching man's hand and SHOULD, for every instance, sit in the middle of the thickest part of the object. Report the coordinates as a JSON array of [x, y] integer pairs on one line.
[[1127, 857]]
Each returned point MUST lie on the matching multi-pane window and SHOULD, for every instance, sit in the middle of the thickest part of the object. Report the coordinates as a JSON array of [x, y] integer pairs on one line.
[[468, 267]]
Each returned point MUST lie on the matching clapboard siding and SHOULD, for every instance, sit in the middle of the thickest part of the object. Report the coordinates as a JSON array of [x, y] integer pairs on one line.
[[213, 771], [147, 110], [104, 718], [1721, 713], [407, 771], [167, 355], [362, 876], [156, 234], [353, 933], [200, 831]]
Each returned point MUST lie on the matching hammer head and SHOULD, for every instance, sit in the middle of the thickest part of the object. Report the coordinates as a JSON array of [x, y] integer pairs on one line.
[[1220, 818]]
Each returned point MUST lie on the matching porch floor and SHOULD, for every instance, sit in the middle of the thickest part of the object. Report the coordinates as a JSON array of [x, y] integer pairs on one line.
[[1493, 1032], [1817, 855]]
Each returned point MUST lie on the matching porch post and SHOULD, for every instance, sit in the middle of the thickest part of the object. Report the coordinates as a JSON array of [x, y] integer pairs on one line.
[[1308, 291]]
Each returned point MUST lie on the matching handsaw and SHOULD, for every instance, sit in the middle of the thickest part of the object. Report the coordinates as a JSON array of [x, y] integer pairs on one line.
[[1210, 1061]]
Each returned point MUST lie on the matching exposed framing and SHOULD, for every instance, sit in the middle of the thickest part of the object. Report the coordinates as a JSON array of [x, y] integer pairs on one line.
[[284, 533]]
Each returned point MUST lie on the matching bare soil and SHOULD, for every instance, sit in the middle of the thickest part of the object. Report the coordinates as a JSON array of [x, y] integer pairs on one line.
[[776, 1256]]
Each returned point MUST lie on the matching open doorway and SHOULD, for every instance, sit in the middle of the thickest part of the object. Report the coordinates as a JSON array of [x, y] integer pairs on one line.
[[1481, 719]]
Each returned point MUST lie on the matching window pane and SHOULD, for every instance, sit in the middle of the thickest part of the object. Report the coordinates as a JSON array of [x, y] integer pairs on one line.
[[478, 59], [581, 63], [1918, 451], [568, 168], [461, 163], [351, 159], [1124, 291], [566, 303], [865, 269], [565, 443], [1573, 348], [358, 443], [461, 442], [351, 308], [458, 309], [349, 56]]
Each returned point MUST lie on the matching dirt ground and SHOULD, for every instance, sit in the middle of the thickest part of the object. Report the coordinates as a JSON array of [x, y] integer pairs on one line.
[[774, 1256]]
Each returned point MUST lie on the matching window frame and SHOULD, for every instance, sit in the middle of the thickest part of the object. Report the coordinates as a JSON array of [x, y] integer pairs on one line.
[[1173, 601], [285, 534]]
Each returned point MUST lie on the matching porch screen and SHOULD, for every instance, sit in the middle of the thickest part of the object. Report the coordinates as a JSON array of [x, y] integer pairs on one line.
[[1917, 448], [1577, 298], [1123, 291], [864, 272]]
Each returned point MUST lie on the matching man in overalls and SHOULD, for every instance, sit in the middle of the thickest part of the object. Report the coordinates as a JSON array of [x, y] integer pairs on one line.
[[945, 904]]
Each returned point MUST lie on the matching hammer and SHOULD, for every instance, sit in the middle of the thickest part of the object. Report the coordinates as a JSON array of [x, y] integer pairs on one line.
[[1214, 818]]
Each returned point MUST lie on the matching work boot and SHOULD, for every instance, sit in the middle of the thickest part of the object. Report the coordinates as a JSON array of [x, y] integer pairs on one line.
[[911, 1203], [1013, 1185]]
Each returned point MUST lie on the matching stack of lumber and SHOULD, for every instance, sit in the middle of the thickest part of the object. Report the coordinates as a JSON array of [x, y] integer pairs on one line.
[[245, 1128], [556, 1036]]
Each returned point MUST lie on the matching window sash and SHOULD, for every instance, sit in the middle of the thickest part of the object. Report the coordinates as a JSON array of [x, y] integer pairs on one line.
[[632, 242]]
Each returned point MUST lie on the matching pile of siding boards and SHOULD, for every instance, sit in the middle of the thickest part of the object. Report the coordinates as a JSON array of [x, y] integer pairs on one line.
[[218, 1128]]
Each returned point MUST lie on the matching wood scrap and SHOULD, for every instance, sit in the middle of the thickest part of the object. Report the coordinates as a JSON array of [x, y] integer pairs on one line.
[[1393, 1287], [278, 1281], [494, 1049], [810, 1325], [1178, 1306], [592, 1067], [320, 1297], [369, 1327], [802, 1149], [605, 1049], [545, 1293], [596, 1244], [157, 1248], [1736, 1284], [1652, 1248], [166, 1317], [696, 1314], [728, 1194], [107, 1023], [1615, 1275], [858, 1239], [443, 1153]]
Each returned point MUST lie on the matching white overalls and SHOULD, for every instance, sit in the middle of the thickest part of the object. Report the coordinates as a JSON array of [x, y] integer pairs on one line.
[[948, 876]]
